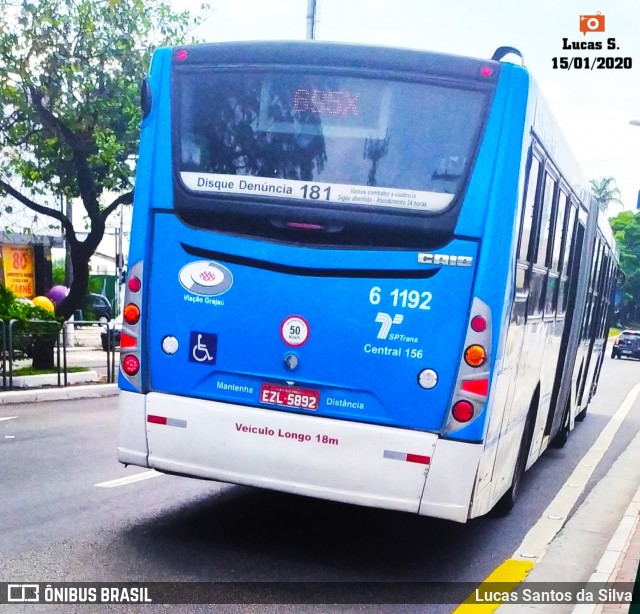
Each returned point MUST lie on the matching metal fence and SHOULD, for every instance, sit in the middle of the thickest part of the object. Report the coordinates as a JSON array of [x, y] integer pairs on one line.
[[80, 351]]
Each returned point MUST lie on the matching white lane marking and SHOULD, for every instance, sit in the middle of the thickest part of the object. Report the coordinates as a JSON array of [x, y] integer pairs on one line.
[[8, 418], [130, 479], [9, 436], [537, 540]]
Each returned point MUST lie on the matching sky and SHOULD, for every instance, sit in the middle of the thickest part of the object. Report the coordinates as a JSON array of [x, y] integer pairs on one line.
[[592, 107]]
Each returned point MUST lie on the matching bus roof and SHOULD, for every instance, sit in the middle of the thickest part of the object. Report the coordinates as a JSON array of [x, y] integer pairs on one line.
[[340, 55]]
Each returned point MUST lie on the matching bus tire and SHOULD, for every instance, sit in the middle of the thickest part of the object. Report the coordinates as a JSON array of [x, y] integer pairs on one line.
[[582, 415], [562, 435], [508, 500]]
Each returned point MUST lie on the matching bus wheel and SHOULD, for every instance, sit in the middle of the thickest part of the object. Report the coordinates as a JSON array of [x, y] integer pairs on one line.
[[508, 500], [562, 435], [582, 415]]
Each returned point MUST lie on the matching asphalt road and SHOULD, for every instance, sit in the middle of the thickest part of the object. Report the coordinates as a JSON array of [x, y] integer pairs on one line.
[[57, 525]]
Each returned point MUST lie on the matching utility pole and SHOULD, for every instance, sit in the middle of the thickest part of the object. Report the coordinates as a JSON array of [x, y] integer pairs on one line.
[[311, 19]]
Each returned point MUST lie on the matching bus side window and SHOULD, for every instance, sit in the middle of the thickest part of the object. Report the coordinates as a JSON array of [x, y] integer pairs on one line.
[[553, 258], [569, 234], [597, 292], [527, 234], [529, 207], [538, 277], [545, 220], [605, 294], [591, 293], [560, 231]]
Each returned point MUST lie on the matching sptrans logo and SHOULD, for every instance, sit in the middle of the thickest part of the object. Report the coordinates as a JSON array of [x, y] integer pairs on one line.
[[592, 23]]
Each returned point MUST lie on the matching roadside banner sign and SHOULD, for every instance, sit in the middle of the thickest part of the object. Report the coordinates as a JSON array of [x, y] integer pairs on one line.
[[18, 267]]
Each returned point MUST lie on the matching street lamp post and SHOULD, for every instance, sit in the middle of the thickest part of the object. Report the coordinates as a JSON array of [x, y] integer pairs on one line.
[[311, 19]]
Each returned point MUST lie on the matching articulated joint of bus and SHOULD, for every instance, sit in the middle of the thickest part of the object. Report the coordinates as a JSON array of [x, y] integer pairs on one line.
[[130, 345], [472, 385]]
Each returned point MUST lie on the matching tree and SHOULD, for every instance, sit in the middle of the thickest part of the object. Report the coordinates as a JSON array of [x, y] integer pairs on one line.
[[70, 73], [626, 227], [605, 192]]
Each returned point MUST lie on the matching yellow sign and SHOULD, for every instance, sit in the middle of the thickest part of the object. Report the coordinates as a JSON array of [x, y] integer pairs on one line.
[[18, 270]]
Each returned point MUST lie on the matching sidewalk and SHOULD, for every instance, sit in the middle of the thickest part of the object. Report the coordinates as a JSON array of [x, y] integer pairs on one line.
[[620, 561], [39, 395], [599, 544]]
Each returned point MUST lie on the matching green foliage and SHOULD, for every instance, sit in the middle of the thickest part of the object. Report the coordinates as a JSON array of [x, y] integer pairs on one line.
[[70, 73], [95, 284], [58, 273], [32, 322], [84, 61], [626, 228], [31, 371], [12, 308]]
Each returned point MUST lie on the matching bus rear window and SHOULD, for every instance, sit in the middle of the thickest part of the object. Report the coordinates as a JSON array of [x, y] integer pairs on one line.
[[346, 141]]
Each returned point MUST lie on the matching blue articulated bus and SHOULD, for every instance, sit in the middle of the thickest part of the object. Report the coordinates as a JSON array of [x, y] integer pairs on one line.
[[357, 273]]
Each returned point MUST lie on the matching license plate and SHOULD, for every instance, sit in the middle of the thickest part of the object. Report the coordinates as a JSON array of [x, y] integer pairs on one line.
[[626, 351], [290, 396]]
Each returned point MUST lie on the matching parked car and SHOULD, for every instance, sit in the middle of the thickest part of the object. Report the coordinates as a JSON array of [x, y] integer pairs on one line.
[[96, 307], [627, 344], [110, 335]]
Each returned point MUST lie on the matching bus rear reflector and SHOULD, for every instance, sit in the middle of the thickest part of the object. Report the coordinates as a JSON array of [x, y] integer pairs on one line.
[[476, 386], [418, 458], [156, 419], [462, 411], [127, 341], [130, 364]]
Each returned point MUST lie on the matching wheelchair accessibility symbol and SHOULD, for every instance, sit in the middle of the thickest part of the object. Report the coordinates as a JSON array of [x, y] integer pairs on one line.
[[203, 348]]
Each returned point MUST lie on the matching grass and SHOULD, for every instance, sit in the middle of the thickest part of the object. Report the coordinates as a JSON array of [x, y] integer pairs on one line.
[[32, 371]]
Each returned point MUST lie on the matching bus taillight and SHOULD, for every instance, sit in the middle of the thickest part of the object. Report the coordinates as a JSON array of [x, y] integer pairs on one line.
[[134, 284], [463, 411], [474, 376], [130, 364], [131, 337], [475, 356], [131, 313]]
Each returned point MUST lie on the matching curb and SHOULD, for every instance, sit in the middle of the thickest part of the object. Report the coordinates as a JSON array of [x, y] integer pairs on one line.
[[58, 394]]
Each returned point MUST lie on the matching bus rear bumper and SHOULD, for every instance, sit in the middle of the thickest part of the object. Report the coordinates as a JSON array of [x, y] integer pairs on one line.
[[340, 460], [132, 429]]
